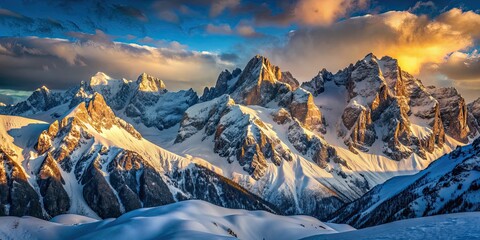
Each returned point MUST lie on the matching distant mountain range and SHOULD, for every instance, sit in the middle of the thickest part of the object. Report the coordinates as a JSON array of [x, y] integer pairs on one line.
[[258, 139]]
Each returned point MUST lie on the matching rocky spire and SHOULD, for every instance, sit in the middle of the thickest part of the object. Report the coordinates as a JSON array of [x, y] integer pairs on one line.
[[148, 83]]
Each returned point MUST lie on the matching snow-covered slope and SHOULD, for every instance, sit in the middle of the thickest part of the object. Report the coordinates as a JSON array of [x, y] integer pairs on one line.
[[306, 154], [450, 184], [92, 163], [306, 150], [184, 220], [201, 220], [447, 226], [144, 102]]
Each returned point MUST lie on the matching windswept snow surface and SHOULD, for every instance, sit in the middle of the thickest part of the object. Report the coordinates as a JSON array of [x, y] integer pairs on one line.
[[192, 219], [448, 226], [195, 219]]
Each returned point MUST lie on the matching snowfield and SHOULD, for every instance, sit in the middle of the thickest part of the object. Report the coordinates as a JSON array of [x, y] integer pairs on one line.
[[195, 219], [448, 226], [192, 219]]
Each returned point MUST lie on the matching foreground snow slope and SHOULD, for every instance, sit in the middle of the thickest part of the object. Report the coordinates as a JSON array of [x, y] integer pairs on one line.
[[448, 226], [450, 184], [184, 220]]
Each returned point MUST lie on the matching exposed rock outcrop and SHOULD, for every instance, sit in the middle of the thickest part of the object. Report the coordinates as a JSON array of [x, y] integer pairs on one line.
[[453, 112], [50, 181], [380, 101], [317, 84], [301, 106], [17, 196], [237, 134], [225, 82]]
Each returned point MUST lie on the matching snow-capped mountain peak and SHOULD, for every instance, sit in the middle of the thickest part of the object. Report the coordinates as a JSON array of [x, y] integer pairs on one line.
[[100, 78], [148, 83]]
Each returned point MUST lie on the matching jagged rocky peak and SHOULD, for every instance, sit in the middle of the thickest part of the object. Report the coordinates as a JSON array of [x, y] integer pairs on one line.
[[474, 117], [148, 83], [288, 78], [302, 107], [453, 111], [259, 83], [474, 108], [238, 134], [41, 99], [262, 70], [225, 81], [258, 78], [317, 84], [95, 113], [380, 96]]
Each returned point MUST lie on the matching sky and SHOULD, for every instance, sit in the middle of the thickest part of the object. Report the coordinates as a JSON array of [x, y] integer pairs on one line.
[[187, 43]]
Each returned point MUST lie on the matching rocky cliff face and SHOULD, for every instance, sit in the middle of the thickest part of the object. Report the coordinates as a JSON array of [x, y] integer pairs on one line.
[[254, 138], [40, 101], [381, 102], [246, 136], [238, 135], [317, 84], [94, 163], [225, 81], [50, 181], [474, 117], [262, 83], [17, 196], [145, 101], [454, 112]]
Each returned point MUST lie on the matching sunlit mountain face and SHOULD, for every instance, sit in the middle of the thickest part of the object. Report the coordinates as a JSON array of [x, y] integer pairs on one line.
[[239, 119]]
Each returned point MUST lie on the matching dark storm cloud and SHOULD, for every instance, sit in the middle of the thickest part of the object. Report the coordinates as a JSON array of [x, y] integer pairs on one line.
[[26, 25], [415, 40], [461, 66], [28, 63], [175, 11], [230, 57], [131, 11], [99, 37]]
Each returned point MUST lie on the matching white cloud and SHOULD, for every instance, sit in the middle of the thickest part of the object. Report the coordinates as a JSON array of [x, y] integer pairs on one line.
[[414, 40], [70, 62]]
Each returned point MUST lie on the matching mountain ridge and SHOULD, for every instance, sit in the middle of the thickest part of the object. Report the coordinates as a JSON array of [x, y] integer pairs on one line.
[[304, 149]]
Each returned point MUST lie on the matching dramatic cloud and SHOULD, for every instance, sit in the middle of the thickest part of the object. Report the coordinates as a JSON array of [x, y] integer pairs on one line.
[[242, 29], [132, 12], [307, 12], [220, 5], [99, 37], [32, 62], [462, 66], [414, 40], [460, 70], [246, 30], [422, 5], [174, 11], [314, 12], [218, 29]]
